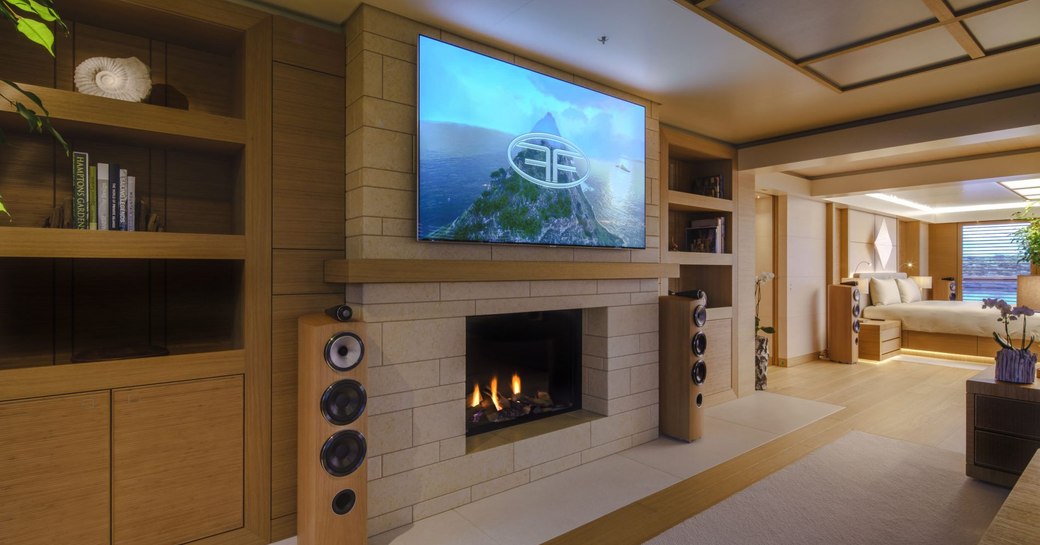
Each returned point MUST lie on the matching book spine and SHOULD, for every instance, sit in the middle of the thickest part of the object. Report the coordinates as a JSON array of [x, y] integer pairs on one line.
[[131, 203], [102, 193], [113, 197], [92, 200], [80, 210], [123, 193]]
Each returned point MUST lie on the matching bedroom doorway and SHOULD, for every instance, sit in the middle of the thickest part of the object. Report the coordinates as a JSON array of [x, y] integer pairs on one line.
[[766, 261]]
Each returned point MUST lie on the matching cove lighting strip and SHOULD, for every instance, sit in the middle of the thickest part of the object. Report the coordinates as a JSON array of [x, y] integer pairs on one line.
[[949, 209], [1029, 189]]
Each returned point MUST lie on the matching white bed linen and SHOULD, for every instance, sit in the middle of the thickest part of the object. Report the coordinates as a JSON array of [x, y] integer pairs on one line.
[[958, 317]]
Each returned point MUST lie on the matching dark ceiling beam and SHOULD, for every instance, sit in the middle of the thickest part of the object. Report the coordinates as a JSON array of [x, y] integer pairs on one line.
[[984, 8], [956, 28]]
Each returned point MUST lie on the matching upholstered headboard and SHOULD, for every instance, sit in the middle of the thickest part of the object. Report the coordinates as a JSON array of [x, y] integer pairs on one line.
[[863, 279]]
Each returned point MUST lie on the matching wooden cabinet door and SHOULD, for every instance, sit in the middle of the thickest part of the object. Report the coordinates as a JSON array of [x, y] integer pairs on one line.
[[54, 460], [177, 461]]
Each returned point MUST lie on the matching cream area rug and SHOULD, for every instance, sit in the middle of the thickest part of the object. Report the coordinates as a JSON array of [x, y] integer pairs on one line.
[[862, 489]]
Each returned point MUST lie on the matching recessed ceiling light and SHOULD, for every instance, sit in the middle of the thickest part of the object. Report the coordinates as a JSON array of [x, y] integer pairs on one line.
[[901, 201], [1021, 184], [1029, 189]]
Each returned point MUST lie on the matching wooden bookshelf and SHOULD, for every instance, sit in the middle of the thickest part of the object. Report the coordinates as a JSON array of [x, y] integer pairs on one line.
[[80, 243]]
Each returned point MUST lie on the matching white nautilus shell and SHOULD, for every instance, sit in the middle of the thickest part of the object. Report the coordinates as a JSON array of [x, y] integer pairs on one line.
[[123, 79]]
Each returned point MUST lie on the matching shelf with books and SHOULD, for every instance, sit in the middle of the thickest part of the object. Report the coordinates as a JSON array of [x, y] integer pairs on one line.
[[79, 243], [691, 202], [698, 258]]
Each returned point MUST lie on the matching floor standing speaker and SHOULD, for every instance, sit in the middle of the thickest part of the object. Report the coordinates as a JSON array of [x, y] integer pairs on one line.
[[682, 368], [843, 308], [331, 469], [945, 289]]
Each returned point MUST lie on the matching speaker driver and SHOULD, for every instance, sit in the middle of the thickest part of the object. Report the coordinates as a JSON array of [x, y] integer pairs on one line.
[[344, 502], [344, 351], [343, 453], [855, 326], [343, 402], [699, 372], [700, 399], [855, 294], [855, 310], [699, 343], [700, 315]]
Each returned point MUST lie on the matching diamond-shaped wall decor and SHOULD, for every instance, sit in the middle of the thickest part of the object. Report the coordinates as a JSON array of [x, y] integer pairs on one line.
[[883, 245]]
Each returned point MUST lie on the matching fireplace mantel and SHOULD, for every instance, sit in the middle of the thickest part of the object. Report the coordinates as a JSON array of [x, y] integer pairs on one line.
[[360, 271]]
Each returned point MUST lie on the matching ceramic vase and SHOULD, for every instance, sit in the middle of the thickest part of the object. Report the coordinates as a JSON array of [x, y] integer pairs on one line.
[[1018, 366], [761, 361]]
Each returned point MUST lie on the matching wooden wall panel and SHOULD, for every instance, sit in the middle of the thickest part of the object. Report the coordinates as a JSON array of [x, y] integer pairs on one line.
[[303, 271], [54, 477], [308, 161], [944, 252], [177, 461], [310, 47], [285, 312]]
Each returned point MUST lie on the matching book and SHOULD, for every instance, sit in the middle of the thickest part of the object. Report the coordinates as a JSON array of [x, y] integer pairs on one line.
[[113, 197], [102, 196], [92, 197], [707, 235], [80, 209], [131, 203], [123, 192]]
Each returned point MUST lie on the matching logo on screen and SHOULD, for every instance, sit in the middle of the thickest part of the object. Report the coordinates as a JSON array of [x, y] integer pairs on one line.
[[548, 160]]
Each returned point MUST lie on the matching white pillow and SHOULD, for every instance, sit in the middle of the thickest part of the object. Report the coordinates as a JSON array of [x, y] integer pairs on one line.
[[909, 291], [883, 291]]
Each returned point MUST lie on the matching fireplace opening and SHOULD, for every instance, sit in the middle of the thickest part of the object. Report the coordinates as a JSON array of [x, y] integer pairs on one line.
[[521, 367]]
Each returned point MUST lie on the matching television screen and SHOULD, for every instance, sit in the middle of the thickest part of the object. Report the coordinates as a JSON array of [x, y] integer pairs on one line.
[[508, 155]]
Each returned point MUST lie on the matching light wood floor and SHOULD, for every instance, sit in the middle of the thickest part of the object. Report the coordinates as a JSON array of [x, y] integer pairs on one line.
[[913, 402]]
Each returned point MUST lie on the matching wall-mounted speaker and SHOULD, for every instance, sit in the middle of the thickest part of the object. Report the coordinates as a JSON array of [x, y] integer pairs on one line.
[[331, 469], [683, 370], [843, 310]]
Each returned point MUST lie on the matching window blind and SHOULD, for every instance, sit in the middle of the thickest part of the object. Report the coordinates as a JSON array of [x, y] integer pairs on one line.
[[989, 261]]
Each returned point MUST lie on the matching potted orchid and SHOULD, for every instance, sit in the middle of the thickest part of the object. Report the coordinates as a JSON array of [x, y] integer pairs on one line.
[[1016, 365], [761, 342]]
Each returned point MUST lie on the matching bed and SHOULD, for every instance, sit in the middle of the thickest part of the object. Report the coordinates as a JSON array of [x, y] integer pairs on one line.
[[955, 327]]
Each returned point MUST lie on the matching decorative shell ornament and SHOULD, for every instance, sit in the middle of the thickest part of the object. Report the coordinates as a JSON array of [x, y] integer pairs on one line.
[[122, 79]]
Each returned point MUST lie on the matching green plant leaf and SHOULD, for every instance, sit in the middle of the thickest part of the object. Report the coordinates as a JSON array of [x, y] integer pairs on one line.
[[32, 6], [35, 124], [28, 94], [56, 135], [1000, 340], [4, 209], [768, 330], [37, 32]]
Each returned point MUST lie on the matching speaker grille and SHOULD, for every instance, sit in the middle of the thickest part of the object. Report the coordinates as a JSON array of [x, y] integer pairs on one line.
[[700, 315], [699, 372], [343, 402], [343, 453], [344, 351], [344, 502], [699, 343]]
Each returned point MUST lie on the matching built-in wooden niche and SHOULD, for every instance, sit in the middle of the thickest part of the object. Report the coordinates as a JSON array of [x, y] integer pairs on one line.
[[716, 280], [61, 311]]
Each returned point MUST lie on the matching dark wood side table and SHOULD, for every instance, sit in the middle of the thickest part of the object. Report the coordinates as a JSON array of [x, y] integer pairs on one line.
[[1003, 428]]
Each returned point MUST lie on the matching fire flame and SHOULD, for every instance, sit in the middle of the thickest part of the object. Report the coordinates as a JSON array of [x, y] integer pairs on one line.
[[516, 384], [494, 393], [475, 399]]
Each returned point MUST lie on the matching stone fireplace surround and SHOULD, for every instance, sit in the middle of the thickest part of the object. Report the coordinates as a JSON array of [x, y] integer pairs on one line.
[[418, 464]]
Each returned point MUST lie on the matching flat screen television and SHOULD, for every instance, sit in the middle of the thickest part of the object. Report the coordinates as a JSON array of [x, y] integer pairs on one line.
[[508, 155]]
